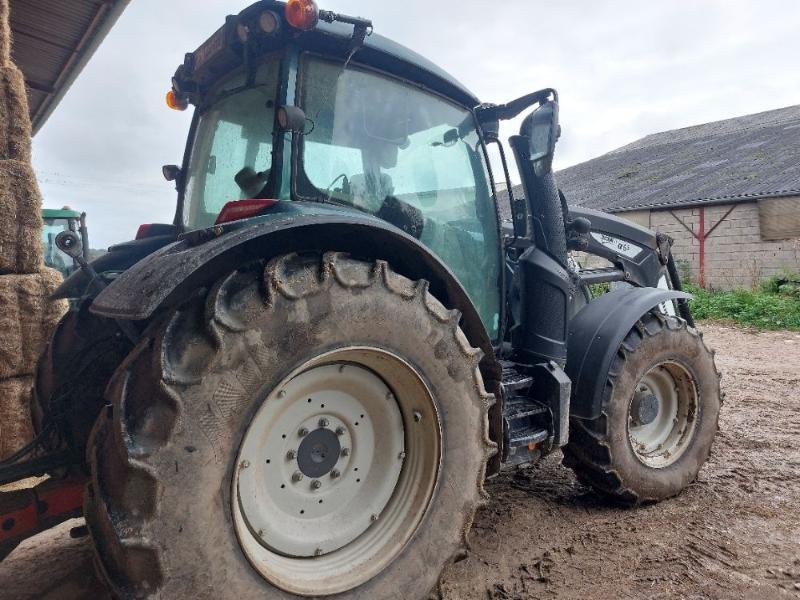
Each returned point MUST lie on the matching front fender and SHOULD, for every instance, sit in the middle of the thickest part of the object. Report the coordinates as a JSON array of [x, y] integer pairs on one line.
[[595, 335]]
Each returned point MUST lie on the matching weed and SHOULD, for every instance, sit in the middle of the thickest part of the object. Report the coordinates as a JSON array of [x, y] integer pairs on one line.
[[762, 309]]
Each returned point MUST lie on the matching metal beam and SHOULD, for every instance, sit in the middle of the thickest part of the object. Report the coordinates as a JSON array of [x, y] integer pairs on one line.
[[108, 12]]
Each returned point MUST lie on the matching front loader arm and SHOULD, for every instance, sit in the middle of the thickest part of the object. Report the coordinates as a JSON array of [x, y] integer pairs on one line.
[[639, 256]]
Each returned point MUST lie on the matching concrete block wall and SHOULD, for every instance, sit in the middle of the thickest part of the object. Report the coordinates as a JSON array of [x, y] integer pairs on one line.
[[736, 256]]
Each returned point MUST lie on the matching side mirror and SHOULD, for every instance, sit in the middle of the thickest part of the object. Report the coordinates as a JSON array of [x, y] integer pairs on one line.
[[542, 130], [70, 244], [171, 172]]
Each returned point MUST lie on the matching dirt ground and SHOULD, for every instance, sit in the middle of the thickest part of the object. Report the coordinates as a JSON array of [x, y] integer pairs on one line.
[[735, 533]]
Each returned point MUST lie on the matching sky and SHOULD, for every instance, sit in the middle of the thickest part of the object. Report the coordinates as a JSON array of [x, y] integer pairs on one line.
[[623, 69]]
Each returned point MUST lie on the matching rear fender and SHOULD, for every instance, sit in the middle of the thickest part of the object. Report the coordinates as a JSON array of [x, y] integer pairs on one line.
[[595, 335], [171, 275]]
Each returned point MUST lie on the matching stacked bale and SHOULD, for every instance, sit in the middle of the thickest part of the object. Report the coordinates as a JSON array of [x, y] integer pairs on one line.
[[27, 315]]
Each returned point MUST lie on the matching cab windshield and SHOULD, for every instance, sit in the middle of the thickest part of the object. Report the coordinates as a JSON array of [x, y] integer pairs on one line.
[[408, 156], [53, 257], [233, 133]]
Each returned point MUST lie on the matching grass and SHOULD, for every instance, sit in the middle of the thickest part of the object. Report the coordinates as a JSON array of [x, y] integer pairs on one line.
[[762, 309]]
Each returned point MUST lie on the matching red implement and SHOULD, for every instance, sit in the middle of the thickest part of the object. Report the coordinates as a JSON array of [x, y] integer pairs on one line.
[[24, 513]]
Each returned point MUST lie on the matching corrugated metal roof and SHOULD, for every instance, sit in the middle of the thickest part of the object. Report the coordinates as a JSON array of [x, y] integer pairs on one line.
[[735, 160], [724, 162], [53, 41]]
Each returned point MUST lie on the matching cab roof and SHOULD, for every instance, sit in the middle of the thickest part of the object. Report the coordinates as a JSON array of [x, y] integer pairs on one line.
[[60, 213], [408, 63], [222, 52]]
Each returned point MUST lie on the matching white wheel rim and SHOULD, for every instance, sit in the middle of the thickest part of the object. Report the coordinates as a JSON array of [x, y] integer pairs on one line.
[[328, 492], [662, 414]]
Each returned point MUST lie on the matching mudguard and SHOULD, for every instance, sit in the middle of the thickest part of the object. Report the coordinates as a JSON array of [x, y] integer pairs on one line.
[[168, 276], [596, 333]]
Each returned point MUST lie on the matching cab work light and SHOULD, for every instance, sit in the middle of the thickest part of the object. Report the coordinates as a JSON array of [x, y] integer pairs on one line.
[[302, 14], [269, 22]]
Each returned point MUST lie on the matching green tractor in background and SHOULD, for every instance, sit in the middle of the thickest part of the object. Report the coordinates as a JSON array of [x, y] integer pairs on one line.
[[56, 220]]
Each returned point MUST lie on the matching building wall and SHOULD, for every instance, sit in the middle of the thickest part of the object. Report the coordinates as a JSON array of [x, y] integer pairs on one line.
[[735, 254]]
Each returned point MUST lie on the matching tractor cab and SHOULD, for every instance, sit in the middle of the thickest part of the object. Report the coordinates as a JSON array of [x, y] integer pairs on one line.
[[291, 114], [54, 222]]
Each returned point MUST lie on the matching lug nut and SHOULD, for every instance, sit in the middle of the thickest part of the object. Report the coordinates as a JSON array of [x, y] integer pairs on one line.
[[373, 518], [417, 416], [297, 476], [291, 455], [340, 430], [302, 432], [318, 552], [345, 451], [334, 474], [282, 394], [323, 422], [316, 484], [401, 456], [244, 464]]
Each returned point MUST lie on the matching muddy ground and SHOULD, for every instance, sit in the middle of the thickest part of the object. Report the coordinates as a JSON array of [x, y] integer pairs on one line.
[[735, 533]]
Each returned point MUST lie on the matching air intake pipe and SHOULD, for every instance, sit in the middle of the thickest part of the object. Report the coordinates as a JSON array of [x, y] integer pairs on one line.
[[542, 289]]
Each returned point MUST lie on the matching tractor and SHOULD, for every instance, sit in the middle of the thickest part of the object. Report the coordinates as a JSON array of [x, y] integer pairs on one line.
[[54, 222], [299, 387]]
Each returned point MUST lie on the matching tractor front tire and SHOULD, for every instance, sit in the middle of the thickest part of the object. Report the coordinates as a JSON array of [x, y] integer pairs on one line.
[[659, 413], [315, 426]]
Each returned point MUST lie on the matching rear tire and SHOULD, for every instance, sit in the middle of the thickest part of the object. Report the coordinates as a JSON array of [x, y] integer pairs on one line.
[[659, 415], [168, 506]]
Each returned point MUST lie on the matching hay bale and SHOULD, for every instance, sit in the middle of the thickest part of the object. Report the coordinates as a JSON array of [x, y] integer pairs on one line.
[[15, 122], [20, 209], [27, 319], [5, 33], [16, 428]]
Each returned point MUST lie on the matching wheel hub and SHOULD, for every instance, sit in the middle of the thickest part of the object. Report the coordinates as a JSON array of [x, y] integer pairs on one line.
[[645, 407], [324, 454], [318, 453], [661, 414]]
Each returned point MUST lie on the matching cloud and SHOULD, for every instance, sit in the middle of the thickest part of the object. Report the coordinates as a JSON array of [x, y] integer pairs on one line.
[[623, 69]]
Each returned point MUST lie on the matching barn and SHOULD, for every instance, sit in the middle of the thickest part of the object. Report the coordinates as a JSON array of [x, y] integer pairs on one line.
[[727, 192]]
